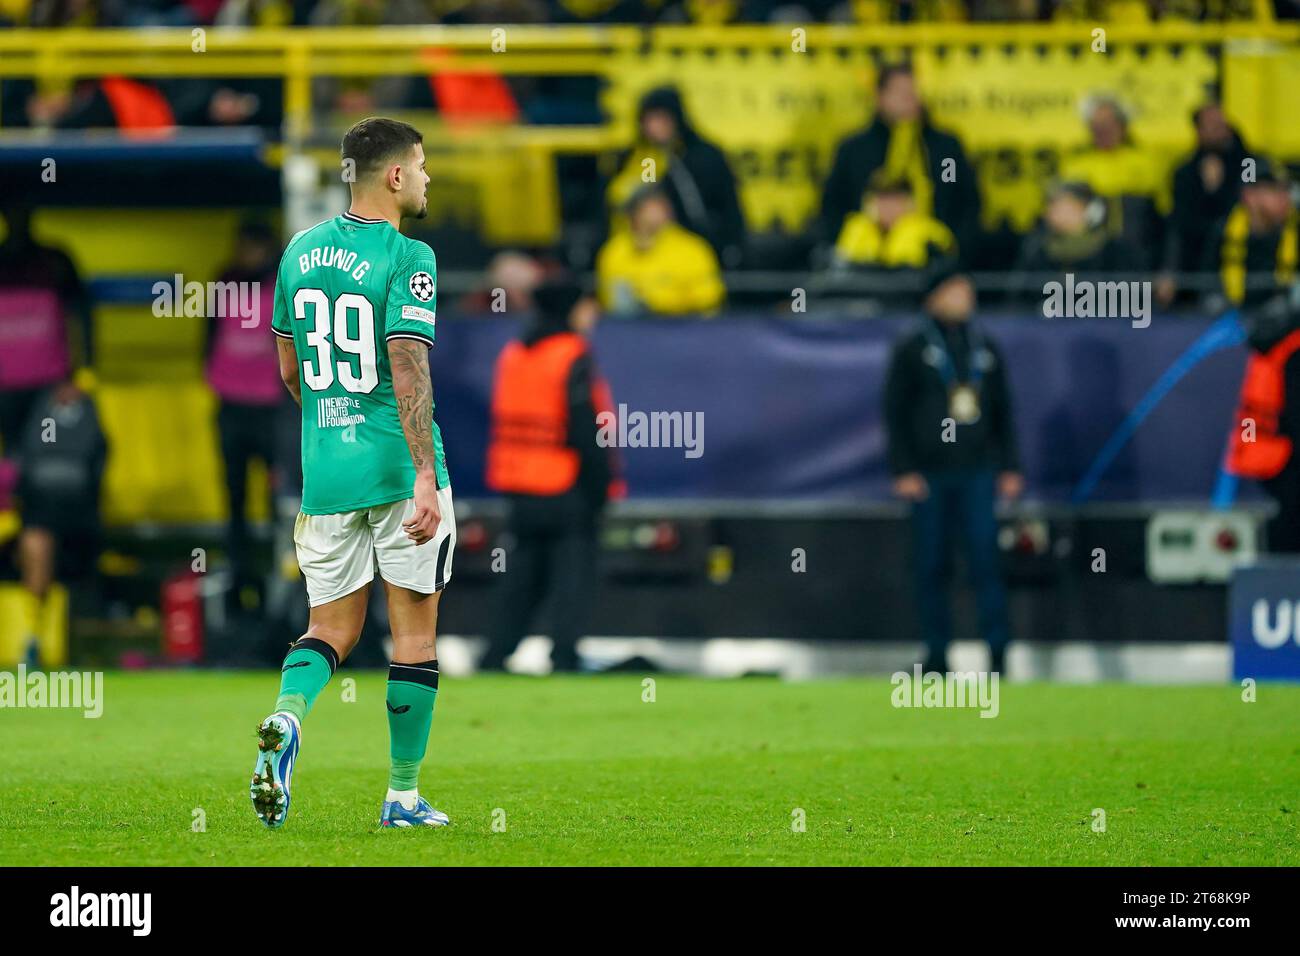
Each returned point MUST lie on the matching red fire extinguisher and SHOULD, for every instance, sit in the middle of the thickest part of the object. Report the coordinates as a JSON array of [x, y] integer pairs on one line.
[[182, 619]]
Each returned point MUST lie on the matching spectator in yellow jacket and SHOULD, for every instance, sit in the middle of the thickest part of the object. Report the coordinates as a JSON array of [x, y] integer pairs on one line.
[[1129, 177], [1112, 164], [890, 232], [883, 248], [655, 266]]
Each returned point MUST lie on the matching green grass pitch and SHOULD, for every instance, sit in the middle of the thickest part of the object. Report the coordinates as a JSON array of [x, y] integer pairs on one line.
[[582, 771]]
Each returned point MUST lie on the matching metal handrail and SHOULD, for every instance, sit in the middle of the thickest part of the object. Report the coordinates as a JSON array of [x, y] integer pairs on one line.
[[298, 55]]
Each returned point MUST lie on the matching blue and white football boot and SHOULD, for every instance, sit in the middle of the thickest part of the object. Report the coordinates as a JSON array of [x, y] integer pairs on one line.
[[396, 815], [278, 738]]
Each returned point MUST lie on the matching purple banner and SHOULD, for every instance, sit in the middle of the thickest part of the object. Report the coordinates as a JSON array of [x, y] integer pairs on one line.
[[792, 408]]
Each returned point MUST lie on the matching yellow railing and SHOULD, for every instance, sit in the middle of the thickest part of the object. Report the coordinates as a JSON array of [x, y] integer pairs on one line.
[[299, 55]]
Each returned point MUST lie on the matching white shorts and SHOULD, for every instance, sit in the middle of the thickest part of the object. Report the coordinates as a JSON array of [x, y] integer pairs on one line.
[[339, 553]]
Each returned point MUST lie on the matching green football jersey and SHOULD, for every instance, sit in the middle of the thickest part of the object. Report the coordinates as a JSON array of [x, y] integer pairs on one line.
[[344, 288]]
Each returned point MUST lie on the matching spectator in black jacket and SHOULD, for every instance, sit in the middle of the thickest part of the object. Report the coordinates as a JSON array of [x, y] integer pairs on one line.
[[952, 450], [1206, 187], [1255, 249], [694, 173], [901, 141]]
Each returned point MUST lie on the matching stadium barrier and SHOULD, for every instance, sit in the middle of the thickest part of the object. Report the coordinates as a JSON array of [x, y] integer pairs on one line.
[[758, 408], [791, 407]]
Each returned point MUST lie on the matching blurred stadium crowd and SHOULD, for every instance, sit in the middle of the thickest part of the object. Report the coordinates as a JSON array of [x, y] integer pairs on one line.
[[662, 221]]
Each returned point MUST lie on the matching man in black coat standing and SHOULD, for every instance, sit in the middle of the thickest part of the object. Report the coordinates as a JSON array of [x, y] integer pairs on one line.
[[952, 451], [901, 140]]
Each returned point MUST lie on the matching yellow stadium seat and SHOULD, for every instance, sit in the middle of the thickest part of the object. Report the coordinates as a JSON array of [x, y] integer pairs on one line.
[[164, 464], [134, 345], [16, 626]]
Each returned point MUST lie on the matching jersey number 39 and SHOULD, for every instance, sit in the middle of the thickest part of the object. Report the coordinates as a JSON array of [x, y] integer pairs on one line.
[[329, 325]]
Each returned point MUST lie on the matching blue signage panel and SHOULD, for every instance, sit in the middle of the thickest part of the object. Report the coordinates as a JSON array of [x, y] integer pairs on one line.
[[1264, 620]]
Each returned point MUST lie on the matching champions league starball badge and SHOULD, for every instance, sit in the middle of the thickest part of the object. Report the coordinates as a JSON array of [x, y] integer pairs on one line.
[[422, 286]]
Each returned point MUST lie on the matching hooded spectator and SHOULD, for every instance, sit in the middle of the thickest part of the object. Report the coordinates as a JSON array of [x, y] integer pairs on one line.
[[694, 173]]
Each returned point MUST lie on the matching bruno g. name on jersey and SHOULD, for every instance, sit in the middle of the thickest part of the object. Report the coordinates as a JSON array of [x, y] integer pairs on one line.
[[325, 257]]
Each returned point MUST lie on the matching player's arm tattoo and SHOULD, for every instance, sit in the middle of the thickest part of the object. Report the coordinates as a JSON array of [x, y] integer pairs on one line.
[[414, 392], [289, 368]]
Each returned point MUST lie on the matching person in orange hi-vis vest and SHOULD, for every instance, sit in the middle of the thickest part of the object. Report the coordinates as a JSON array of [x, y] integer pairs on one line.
[[545, 456], [1266, 428]]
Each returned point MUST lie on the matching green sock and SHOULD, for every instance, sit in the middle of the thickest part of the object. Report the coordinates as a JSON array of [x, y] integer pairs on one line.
[[308, 667], [412, 689]]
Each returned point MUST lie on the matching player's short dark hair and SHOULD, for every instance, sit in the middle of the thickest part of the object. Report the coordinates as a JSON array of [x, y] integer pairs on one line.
[[376, 140]]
